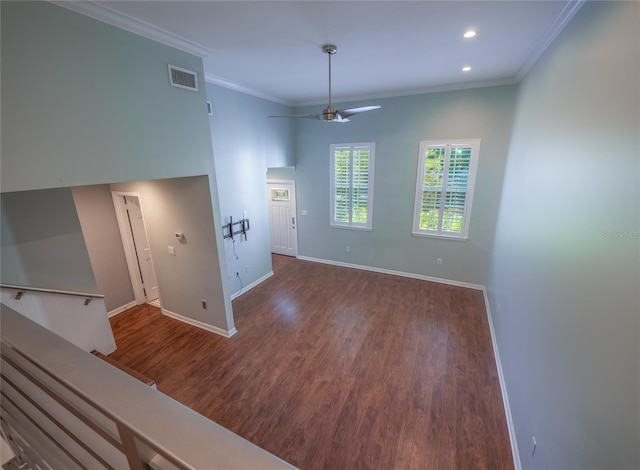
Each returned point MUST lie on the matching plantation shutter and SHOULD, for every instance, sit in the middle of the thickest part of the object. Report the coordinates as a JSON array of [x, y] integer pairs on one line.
[[432, 188], [456, 189], [352, 185], [342, 204], [360, 186], [444, 188]]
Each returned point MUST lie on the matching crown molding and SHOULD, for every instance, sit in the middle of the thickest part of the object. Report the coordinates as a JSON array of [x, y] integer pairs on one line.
[[215, 80], [370, 96], [556, 25], [133, 25]]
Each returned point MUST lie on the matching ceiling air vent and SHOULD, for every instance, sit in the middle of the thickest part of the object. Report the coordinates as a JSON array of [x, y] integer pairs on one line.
[[183, 78]]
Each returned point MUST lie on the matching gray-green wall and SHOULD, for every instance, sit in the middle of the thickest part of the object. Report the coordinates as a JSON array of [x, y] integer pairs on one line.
[[42, 242], [397, 130], [564, 283], [193, 273], [86, 103], [245, 143]]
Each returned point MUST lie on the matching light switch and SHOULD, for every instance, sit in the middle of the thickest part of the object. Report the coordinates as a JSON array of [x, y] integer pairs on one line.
[[304, 212], [172, 250]]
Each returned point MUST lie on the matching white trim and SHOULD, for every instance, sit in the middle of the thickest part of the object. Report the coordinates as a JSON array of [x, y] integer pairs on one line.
[[199, 324], [180, 69], [127, 243], [437, 235], [294, 203], [394, 273], [503, 387], [558, 23], [122, 308], [290, 167], [448, 144], [371, 147], [215, 80], [247, 288], [133, 25], [280, 181]]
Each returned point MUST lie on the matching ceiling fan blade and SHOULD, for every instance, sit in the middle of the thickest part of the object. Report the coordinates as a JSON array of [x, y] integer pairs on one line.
[[306, 116], [345, 113], [339, 117]]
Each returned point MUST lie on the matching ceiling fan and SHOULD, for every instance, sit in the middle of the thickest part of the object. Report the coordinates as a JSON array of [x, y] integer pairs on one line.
[[330, 114]]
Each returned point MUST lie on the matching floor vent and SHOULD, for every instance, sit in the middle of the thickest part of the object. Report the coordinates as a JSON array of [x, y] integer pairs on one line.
[[183, 78]]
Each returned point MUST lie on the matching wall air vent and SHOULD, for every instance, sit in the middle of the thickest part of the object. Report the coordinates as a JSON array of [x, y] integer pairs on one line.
[[183, 78]]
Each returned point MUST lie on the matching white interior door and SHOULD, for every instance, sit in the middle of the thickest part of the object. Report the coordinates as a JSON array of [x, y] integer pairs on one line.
[[136, 246], [141, 245], [282, 217]]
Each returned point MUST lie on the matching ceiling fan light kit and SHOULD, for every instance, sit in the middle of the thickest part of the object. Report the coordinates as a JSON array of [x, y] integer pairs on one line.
[[330, 114]]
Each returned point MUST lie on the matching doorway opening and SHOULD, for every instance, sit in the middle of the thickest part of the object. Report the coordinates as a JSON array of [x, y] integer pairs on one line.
[[136, 247]]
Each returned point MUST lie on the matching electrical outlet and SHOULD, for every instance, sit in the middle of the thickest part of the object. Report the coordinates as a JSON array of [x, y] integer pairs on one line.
[[204, 304], [439, 260], [172, 250], [348, 249]]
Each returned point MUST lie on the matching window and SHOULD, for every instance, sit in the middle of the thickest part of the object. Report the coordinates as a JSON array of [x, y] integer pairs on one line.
[[352, 185], [280, 194], [446, 172]]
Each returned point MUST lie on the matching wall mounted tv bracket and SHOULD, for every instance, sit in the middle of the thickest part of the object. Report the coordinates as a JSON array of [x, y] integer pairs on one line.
[[228, 229]]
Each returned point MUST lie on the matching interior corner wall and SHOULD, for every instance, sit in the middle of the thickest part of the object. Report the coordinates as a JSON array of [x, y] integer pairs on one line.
[[42, 242], [245, 143], [397, 129], [564, 283], [193, 273], [104, 243]]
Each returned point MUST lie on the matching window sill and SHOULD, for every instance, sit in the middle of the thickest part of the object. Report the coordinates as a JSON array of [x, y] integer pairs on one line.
[[441, 236], [352, 227]]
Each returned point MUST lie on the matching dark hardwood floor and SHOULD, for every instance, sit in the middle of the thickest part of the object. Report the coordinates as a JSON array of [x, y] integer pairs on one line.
[[335, 368]]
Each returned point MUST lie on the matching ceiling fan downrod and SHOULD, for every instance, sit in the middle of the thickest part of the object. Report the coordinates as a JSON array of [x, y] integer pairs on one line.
[[329, 113]]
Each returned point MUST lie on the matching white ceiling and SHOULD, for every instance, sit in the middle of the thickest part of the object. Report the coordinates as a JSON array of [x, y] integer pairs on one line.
[[385, 48]]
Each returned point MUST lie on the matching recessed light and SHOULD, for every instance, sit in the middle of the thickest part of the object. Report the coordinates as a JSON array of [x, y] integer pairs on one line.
[[469, 34], [466, 68]]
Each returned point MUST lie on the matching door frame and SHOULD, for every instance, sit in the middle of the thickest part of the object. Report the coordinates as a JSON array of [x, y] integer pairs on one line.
[[294, 203], [129, 246]]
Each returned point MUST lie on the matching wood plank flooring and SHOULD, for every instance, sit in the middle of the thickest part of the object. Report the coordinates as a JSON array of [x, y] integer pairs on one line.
[[335, 368]]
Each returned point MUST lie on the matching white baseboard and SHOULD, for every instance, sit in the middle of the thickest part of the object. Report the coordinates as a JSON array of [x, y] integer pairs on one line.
[[247, 288], [503, 387], [115, 311], [199, 324], [394, 273]]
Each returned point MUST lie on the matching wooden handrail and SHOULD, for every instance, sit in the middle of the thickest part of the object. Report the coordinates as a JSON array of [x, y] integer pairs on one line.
[[53, 291]]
